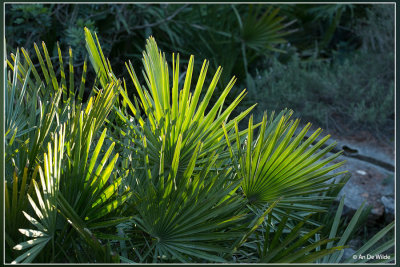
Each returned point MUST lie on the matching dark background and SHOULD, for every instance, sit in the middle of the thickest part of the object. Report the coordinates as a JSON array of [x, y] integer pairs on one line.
[[332, 64]]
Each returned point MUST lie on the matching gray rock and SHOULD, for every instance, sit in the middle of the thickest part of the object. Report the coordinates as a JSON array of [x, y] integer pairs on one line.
[[348, 252], [388, 202], [368, 184]]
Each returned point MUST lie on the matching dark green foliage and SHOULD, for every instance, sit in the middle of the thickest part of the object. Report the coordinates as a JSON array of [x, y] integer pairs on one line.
[[355, 94], [346, 92], [27, 23], [208, 31], [376, 29], [356, 40], [324, 29]]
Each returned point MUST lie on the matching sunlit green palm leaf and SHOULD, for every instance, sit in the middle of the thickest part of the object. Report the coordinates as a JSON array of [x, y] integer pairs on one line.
[[86, 180], [279, 164], [46, 205], [16, 202], [171, 112]]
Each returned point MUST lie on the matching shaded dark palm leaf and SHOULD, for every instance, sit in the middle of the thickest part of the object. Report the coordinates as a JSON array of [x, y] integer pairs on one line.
[[264, 31], [294, 246], [186, 220], [28, 123], [16, 111], [371, 247], [273, 242]]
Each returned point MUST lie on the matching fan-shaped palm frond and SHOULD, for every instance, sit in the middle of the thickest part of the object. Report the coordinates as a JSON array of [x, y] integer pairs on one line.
[[87, 183], [46, 205], [89, 194], [170, 113], [278, 164], [190, 186], [262, 32], [174, 178], [192, 219]]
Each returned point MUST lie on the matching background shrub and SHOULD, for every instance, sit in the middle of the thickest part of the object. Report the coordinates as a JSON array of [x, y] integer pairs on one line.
[[349, 91], [347, 96]]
